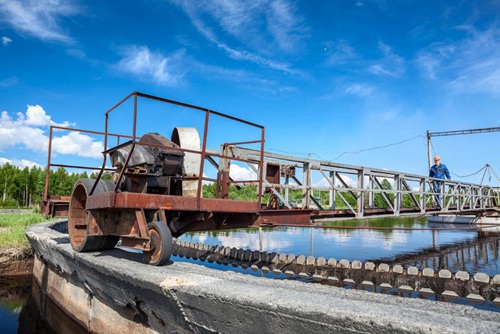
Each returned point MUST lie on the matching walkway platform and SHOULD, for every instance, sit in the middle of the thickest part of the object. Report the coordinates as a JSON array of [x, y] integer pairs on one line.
[[115, 292]]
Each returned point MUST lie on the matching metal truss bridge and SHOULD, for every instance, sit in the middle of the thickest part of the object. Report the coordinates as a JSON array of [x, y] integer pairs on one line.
[[345, 191]]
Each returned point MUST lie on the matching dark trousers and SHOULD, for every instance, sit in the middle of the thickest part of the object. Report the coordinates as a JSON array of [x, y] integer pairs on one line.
[[437, 189]]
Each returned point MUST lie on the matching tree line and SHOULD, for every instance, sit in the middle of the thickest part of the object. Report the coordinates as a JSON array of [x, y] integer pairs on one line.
[[24, 187]]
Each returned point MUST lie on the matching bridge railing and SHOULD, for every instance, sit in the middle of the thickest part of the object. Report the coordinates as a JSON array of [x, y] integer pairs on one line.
[[361, 191]]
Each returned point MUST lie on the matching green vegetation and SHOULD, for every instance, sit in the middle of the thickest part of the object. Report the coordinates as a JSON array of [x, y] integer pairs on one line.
[[245, 193], [25, 187], [12, 228]]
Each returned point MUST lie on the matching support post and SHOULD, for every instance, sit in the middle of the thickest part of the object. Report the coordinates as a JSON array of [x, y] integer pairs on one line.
[[333, 192], [306, 182], [429, 158], [361, 195]]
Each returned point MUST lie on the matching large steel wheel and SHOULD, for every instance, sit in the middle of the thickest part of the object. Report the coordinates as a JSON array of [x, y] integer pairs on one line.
[[160, 244], [79, 218]]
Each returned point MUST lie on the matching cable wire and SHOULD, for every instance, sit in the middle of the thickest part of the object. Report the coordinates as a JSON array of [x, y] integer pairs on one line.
[[464, 176], [354, 152], [379, 147]]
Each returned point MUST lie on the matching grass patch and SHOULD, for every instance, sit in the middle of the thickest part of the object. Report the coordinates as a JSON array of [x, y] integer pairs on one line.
[[12, 226]]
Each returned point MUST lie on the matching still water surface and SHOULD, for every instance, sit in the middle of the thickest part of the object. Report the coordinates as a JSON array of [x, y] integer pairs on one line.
[[411, 243], [404, 241]]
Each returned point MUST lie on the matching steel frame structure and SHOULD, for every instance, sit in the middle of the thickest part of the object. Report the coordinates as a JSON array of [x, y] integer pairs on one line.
[[409, 194], [362, 191]]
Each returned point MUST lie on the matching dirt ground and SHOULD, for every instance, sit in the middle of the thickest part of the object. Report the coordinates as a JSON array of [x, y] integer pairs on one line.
[[16, 261]]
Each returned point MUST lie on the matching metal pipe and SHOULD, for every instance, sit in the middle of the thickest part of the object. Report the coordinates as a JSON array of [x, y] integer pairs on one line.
[[202, 162], [47, 175], [261, 166], [429, 149], [191, 106]]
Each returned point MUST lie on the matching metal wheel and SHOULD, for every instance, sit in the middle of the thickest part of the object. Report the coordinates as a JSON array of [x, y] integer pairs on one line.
[[160, 245], [79, 218]]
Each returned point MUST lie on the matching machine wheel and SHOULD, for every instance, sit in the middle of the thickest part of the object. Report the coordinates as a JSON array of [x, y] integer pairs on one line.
[[160, 245], [78, 218]]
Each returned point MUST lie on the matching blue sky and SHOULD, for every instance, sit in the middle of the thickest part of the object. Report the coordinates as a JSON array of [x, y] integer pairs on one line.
[[327, 78]]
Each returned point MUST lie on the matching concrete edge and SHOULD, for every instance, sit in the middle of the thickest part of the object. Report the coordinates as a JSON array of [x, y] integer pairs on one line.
[[193, 298]]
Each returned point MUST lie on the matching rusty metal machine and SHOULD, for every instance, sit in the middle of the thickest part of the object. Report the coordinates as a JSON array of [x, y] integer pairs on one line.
[[151, 167], [155, 192]]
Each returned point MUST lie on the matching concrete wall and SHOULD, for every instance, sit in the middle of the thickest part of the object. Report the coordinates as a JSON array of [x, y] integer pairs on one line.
[[115, 292]]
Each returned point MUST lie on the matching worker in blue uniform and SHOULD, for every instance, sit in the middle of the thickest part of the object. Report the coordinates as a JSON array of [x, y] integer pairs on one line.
[[438, 171]]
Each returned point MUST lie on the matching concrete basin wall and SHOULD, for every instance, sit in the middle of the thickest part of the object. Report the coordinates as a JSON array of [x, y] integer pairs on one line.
[[115, 292]]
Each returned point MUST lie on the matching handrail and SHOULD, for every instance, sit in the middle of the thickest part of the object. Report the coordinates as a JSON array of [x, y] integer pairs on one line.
[[204, 154]]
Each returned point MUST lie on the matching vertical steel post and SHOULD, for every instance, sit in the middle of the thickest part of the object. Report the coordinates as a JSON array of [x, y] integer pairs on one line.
[[361, 196], [429, 157], [47, 175], [261, 165], [134, 125], [287, 191], [422, 195], [333, 192], [371, 194], [398, 198], [306, 182], [202, 162], [99, 175]]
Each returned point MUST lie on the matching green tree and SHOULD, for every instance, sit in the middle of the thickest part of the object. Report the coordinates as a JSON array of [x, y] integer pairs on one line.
[[8, 187], [379, 199]]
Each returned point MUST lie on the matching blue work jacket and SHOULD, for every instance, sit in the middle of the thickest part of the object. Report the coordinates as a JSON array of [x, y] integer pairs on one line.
[[439, 172]]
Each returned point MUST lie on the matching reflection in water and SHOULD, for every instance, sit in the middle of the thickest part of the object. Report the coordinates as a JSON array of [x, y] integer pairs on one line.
[[20, 311], [46, 319], [410, 245], [13, 295]]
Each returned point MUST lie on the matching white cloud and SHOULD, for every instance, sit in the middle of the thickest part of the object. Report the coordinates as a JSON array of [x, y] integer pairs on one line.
[[389, 114], [428, 64], [245, 20], [285, 25], [8, 82], [17, 132], [39, 18], [342, 52], [239, 28], [256, 59], [77, 53], [243, 77], [468, 65], [391, 64], [359, 90], [6, 40], [239, 173], [29, 129], [145, 64], [19, 163], [36, 116], [75, 143]]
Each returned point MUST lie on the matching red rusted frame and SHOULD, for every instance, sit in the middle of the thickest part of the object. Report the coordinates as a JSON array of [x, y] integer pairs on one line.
[[137, 201], [49, 156], [242, 143], [57, 207], [203, 152]]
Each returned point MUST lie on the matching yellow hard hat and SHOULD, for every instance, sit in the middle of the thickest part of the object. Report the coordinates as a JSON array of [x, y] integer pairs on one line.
[[436, 158]]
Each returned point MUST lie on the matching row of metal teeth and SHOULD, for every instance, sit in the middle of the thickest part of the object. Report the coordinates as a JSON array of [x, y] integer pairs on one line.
[[368, 276]]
